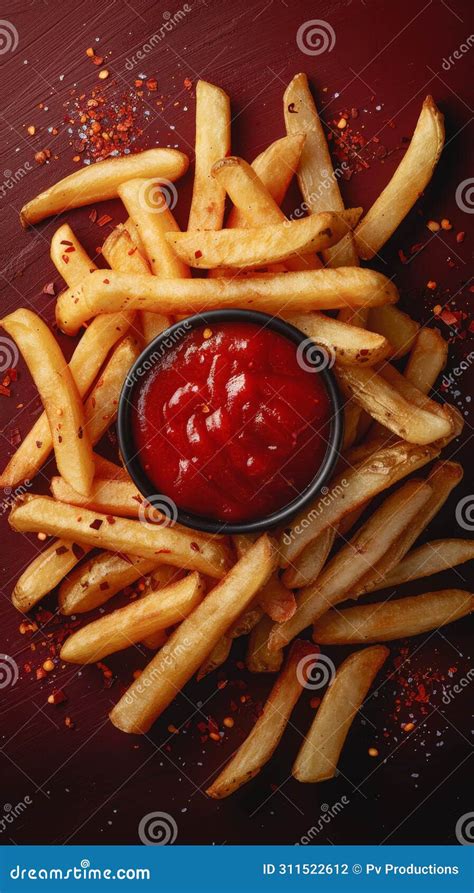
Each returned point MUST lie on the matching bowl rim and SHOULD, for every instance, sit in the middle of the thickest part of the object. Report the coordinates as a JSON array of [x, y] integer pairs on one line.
[[164, 342]]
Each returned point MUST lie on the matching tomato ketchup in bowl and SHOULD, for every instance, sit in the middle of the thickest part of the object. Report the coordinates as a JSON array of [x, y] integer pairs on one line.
[[231, 420]]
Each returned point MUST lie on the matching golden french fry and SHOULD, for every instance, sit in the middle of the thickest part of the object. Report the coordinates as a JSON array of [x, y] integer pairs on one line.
[[267, 732], [305, 290], [108, 470], [212, 143], [45, 572], [396, 326], [216, 658], [274, 599], [69, 257], [262, 245], [407, 184], [59, 395], [318, 757], [385, 404], [123, 255], [86, 361], [99, 182], [310, 562], [113, 497], [432, 558], [255, 204], [258, 658], [189, 645], [351, 489], [317, 179], [176, 547], [348, 344], [275, 168], [393, 619], [339, 578], [443, 477], [147, 206], [101, 406], [155, 641], [427, 359], [101, 577], [141, 618]]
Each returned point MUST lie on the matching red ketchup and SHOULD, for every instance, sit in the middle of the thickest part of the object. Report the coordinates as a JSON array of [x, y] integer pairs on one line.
[[229, 424]]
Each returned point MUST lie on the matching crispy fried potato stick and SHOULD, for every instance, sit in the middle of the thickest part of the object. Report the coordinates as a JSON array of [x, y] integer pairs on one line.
[[348, 344], [431, 558], [276, 293], [101, 577], [318, 758], [176, 547], [111, 497], [338, 580], [407, 184], [45, 572], [69, 257], [59, 395], [141, 618], [99, 182], [258, 658], [108, 470], [101, 405], [396, 326], [351, 489], [310, 561], [267, 732], [189, 645], [275, 168], [427, 359], [216, 658], [394, 618], [262, 245], [212, 143], [147, 206], [317, 179]]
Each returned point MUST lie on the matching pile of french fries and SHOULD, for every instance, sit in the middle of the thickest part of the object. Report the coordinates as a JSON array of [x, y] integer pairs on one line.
[[204, 591]]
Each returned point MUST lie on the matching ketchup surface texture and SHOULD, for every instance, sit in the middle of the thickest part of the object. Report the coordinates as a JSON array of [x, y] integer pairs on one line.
[[229, 425]]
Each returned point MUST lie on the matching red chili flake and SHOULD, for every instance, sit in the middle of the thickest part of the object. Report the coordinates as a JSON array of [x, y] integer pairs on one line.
[[448, 317], [97, 60], [132, 251], [187, 83], [39, 444], [5, 392], [110, 519], [152, 84], [13, 374], [106, 281], [402, 256], [104, 586], [162, 551], [198, 254], [40, 674], [61, 550], [96, 524], [292, 109], [57, 696], [195, 547], [80, 433], [48, 289], [65, 258], [70, 249], [65, 242], [93, 215], [14, 436], [106, 218]]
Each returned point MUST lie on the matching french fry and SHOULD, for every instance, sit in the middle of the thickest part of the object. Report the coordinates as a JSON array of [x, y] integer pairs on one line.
[[69, 257], [352, 489], [59, 395], [348, 344], [339, 578], [178, 548], [259, 246], [431, 558], [111, 497], [300, 291], [393, 619], [216, 658], [427, 359], [407, 184], [310, 562], [385, 404], [274, 599], [396, 326], [124, 256], [267, 732], [212, 143], [443, 477], [152, 218], [275, 168], [101, 406], [45, 572], [86, 361], [318, 757], [99, 182], [108, 470], [101, 577], [188, 646], [255, 204], [141, 618], [317, 179], [259, 659]]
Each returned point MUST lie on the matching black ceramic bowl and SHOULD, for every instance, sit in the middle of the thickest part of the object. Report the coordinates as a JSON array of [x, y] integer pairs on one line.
[[155, 351]]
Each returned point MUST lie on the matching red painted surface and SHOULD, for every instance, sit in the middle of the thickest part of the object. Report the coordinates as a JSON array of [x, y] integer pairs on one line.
[[90, 783]]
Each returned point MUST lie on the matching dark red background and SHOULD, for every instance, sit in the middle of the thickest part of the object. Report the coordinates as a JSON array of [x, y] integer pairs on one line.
[[93, 784]]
